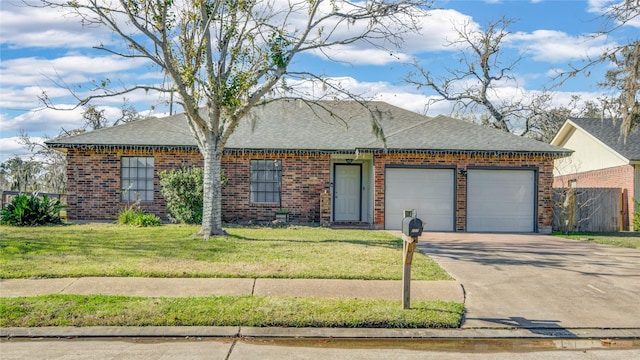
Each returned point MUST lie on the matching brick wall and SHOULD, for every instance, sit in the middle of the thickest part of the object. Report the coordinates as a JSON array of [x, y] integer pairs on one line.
[[93, 184], [544, 165], [93, 181], [614, 177], [304, 178]]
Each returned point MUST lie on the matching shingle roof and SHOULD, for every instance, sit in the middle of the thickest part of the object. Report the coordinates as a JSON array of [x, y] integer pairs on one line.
[[609, 133], [326, 126]]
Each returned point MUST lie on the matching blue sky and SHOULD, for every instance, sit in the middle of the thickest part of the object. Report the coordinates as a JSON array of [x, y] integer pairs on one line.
[[39, 45]]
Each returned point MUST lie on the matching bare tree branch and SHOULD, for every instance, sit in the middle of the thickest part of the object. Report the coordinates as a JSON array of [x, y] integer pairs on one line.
[[473, 88], [624, 77]]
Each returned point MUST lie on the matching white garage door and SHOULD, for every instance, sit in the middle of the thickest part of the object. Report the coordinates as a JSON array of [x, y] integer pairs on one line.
[[500, 200], [428, 191]]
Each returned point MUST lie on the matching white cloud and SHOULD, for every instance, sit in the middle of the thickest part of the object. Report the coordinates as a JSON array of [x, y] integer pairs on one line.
[[43, 121], [599, 6], [73, 69], [436, 30], [27, 26], [10, 147], [557, 46], [603, 8], [358, 56]]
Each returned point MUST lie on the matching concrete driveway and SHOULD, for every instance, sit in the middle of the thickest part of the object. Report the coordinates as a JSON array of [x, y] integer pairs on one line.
[[540, 282]]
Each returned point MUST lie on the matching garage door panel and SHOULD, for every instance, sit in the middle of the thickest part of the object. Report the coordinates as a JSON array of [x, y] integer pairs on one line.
[[500, 200], [428, 191]]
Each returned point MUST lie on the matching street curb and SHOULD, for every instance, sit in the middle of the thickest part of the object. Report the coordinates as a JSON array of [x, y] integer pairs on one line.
[[310, 333]]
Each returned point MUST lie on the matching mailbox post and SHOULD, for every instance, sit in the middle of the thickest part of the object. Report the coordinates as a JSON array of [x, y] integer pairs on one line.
[[411, 230]]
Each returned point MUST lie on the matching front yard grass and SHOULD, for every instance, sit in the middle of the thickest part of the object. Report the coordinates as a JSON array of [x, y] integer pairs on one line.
[[259, 311], [629, 240], [174, 251]]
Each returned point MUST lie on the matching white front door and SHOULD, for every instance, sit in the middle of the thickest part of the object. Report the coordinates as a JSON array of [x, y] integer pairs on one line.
[[346, 193]]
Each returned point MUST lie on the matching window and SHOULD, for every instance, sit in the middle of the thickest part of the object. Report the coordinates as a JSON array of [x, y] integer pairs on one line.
[[573, 184], [136, 179], [265, 181]]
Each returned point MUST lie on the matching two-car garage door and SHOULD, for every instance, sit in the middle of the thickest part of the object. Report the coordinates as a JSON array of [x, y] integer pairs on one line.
[[497, 200]]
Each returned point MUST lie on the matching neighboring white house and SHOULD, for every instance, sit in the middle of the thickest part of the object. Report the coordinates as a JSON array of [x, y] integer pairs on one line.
[[602, 158]]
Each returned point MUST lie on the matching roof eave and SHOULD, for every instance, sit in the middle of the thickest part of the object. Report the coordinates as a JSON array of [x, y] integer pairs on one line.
[[561, 153]]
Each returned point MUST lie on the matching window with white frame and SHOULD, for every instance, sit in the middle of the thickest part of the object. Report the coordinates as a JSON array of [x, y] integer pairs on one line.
[[136, 178], [266, 178]]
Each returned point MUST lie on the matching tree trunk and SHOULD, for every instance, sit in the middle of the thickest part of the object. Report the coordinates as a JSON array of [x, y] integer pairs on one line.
[[212, 187]]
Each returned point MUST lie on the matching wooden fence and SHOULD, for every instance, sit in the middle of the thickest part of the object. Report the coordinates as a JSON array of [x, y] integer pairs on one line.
[[588, 209]]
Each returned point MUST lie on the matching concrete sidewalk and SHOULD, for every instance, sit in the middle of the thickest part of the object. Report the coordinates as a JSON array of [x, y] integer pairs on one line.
[[187, 287], [184, 287]]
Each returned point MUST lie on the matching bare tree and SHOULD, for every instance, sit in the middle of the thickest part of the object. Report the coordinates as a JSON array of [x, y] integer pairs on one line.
[[474, 87], [94, 118], [624, 77], [128, 113], [546, 119], [228, 55], [52, 163]]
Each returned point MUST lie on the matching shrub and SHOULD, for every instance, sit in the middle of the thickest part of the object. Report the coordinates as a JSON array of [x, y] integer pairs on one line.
[[183, 189], [31, 211], [133, 215]]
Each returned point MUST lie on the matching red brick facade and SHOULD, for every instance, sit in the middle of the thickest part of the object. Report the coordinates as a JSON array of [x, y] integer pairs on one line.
[[304, 178], [93, 184], [93, 181], [614, 177]]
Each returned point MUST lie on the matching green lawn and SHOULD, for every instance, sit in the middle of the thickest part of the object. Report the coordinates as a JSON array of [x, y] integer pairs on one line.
[[623, 239], [100, 310], [174, 251]]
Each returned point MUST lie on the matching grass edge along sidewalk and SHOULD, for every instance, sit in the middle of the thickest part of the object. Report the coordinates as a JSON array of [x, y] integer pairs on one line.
[[247, 310], [625, 239]]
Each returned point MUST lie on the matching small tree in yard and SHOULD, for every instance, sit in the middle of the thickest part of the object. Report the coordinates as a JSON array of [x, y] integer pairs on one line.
[[229, 55]]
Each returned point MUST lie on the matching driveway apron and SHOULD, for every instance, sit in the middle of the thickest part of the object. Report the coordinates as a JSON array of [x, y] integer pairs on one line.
[[540, 282]]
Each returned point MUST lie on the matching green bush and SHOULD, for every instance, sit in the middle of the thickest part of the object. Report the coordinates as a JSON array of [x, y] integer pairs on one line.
[[183, 189], [133, 215], [31, 211]]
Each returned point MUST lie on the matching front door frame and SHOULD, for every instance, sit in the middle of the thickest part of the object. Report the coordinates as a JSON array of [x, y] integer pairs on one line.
[[335, 182]]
